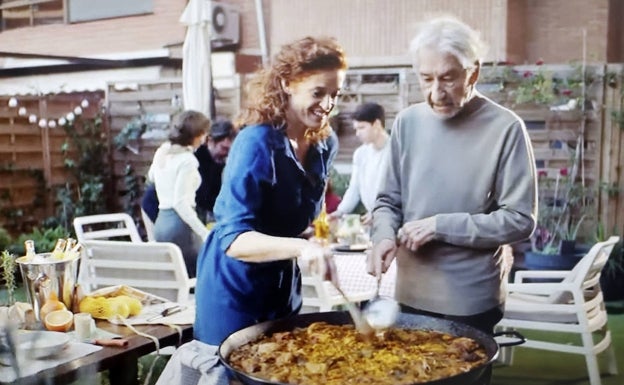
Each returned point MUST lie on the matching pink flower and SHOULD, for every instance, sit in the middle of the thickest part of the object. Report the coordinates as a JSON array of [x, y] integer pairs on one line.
[[563, 171], [567, 92], [527, 74], [542, 173], [539, 61]]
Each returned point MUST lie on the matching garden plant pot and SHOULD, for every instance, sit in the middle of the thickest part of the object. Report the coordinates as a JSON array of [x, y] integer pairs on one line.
[[567, 247], [539, 261]]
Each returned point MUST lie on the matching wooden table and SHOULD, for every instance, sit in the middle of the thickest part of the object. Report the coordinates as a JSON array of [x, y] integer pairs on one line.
[[121, 362]]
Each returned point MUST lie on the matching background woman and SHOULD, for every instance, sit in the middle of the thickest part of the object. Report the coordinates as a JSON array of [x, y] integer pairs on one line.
[[272, 189], [175, 174]]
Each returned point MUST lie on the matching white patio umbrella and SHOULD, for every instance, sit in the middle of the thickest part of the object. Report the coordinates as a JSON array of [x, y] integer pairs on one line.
[[196, 71]]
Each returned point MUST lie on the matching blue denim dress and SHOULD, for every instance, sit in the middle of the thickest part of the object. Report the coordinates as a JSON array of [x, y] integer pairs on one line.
[[264, 189]]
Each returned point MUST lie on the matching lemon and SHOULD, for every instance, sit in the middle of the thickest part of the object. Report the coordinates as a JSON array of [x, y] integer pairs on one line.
[[59, 320], [119, 307], [134, 304], [98, 307]]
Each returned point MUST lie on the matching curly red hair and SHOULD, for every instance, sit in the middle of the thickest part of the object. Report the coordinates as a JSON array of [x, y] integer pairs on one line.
[[266, 99]]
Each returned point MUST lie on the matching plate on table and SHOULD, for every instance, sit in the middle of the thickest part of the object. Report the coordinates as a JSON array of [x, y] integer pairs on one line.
[[41, 344], [354, 248]]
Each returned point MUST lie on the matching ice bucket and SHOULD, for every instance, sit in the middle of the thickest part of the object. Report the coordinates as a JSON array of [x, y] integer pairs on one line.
[[45, 277]]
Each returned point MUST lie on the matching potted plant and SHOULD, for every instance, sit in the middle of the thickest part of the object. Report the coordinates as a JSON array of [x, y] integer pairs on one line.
[[563, 208], [9, 267]]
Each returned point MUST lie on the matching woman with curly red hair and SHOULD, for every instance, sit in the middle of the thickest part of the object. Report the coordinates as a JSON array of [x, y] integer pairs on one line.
[[273, 186]]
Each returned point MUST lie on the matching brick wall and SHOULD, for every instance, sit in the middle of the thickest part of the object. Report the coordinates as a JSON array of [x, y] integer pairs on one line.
[[377, 33], [553, 30]]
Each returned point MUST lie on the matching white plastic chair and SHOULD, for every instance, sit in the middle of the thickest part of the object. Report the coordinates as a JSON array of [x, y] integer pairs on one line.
[[149, 226], [154, 267], [116, 226], [572, 304], [320, 295]]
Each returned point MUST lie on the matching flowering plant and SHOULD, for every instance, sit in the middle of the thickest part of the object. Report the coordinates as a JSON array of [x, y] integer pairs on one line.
[[562, 208]]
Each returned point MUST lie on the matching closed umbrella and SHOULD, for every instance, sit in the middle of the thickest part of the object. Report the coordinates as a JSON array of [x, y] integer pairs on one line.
[[196, 72]]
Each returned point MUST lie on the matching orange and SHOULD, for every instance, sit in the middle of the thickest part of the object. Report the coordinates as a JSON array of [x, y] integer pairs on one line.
[[51, 305], [59, 320]]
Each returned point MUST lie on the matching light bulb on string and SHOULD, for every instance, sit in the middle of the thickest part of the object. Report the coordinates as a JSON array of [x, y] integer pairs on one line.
[[22, 111], [12, 102], [32, 119], [70, 117], [84, 103], [78, 111], [62, 121], [43, 123], [52, 123]]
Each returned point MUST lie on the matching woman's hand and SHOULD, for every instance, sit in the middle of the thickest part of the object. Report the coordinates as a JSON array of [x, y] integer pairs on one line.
[[319, 261]]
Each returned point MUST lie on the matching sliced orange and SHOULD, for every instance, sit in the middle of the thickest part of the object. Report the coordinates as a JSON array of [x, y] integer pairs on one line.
[[49, 306], [59, 320]]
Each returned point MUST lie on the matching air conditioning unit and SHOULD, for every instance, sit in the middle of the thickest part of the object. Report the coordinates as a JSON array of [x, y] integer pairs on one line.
[[225, 25]]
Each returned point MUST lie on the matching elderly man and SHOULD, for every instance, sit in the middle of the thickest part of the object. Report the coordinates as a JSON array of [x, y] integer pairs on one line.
[[461, 183]]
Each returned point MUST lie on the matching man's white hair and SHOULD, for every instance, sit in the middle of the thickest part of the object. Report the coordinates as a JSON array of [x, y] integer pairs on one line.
[[449, 35]]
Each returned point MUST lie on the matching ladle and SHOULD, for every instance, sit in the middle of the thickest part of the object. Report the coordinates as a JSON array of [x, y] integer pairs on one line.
[[381, 312], [361, 324]]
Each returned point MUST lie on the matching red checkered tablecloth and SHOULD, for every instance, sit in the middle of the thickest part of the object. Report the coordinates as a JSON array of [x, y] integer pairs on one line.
[[354, 279]]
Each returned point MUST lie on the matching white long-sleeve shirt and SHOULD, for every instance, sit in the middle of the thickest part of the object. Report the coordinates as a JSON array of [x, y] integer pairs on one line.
[[175, 174], [368, 169]]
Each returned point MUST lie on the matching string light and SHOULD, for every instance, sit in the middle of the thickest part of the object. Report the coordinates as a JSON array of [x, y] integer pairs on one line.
[[52, 123]]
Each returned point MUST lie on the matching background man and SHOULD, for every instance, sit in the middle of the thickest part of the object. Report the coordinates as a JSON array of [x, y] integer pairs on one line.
[[368, 160], [211, 156]]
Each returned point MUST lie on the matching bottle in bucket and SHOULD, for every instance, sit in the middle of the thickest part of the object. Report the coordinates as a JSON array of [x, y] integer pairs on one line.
[[74, 252], [71, 242], [59, 249], [29, 246], [48, 279]]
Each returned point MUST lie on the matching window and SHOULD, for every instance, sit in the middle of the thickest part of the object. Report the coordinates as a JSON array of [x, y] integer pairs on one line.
[[24, 13]]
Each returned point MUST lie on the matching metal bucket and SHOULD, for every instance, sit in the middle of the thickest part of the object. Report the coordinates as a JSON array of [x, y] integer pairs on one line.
[[44, 276]]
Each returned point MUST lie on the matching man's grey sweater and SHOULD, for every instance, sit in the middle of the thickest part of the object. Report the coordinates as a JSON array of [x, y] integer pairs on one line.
[[476, 173]]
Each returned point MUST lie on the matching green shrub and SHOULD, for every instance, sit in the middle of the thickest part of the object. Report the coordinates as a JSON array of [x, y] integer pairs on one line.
[[44, 239], [5, 239]]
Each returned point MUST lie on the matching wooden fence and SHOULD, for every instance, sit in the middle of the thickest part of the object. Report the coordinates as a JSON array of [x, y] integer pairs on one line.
[[30, 157], [143, 111]]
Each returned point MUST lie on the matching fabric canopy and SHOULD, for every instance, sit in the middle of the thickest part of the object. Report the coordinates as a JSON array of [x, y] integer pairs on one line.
[[196, 69]]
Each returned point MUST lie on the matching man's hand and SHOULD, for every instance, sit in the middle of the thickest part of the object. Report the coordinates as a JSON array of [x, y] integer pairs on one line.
[[416, 233], [380, 257], [367, 219]]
